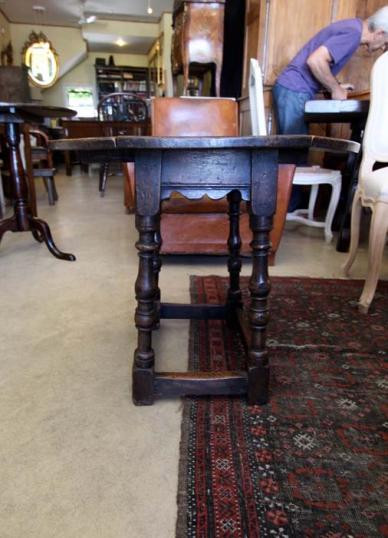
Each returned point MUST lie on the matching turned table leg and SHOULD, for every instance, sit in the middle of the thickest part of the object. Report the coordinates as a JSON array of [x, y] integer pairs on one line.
[[146, 291], [157, 263], [234, 260], [259, 287]]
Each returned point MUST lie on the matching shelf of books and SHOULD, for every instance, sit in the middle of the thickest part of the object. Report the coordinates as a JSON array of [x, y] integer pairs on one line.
[[134, 80]]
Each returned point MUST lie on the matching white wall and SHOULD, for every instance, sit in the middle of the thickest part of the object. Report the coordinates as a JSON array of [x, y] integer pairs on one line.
[[76, 64], [84, 75], [67, 42]]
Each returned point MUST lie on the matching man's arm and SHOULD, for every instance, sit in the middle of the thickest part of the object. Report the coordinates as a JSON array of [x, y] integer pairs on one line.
[[319, 64]]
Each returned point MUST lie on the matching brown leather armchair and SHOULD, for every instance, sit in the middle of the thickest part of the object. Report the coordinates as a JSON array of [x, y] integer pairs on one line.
[[181, 232]]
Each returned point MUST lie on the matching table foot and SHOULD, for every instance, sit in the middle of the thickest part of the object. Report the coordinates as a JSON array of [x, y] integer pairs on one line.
[[41, 230], [8, 225], [37, 235], [258, 384], [343, 240]]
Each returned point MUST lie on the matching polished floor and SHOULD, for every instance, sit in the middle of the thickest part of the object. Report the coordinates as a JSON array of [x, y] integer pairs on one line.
[[77, 459]]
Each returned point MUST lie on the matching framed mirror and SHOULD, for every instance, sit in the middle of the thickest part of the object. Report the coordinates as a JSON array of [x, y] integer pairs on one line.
[[41, 60]]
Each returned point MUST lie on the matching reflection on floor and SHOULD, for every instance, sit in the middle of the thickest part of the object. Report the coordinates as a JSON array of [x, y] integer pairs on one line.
[[77, 458]]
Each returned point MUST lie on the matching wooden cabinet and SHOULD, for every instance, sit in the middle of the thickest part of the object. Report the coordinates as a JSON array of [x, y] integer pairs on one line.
[[198, 38], [112, 79], [276, 29], [14, 84]]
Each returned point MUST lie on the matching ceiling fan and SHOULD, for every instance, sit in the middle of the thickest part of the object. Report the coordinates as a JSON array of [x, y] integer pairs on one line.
[[89, 19]]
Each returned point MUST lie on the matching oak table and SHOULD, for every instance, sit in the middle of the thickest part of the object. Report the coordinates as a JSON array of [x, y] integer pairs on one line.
[[241, 168], [13, 115]]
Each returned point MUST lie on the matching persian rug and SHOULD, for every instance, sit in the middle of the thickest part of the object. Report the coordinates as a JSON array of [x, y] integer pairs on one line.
[[311, 462]]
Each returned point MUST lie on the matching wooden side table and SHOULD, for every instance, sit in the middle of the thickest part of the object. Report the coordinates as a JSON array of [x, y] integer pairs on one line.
[[13, 115], [241, 168]]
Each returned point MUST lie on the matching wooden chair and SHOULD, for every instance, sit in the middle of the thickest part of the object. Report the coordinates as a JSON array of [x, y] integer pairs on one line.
[[181, 229], [121, 107], [312, 176], [39, 163], [372, 189]]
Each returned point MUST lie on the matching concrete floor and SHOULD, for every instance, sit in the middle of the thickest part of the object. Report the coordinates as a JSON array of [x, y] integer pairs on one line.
[[77, 458]]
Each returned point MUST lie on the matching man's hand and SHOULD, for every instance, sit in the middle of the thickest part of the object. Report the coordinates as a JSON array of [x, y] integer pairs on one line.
[[339, 93], [347, 86]]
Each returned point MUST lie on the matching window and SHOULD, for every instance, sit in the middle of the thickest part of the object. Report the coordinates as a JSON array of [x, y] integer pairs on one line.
[[81, 100]]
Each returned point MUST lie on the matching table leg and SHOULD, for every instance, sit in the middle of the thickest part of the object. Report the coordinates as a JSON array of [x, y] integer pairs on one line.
[[259, 287], [351, 181], [36, 234], [23, 220], [104, 169], [146, 291], [157, 263], [343, 240], [8, 225], [41, 232], [234, 260], [68, 165]]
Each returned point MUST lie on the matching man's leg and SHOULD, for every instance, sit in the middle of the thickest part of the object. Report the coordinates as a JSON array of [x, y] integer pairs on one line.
[[289, 110]]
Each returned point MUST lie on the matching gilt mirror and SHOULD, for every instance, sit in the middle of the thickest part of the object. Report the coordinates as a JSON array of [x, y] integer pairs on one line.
[[41, 59]]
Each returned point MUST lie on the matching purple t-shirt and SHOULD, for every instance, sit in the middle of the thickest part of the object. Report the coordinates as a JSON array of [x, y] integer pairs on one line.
[[341, 38]]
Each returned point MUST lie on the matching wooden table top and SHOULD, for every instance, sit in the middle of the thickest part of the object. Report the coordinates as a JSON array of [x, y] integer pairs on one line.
[[36, 109], [205, 143], [336, 111]]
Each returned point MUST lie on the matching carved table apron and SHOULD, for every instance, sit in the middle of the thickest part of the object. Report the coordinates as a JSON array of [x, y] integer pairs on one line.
[[243, 168]]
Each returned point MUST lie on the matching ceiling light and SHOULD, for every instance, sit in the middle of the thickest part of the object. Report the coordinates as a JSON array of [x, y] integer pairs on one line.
[[120, 42], [149, 8]]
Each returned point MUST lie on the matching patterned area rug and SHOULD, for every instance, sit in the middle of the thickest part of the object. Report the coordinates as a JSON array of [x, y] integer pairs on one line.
[[311, 462]]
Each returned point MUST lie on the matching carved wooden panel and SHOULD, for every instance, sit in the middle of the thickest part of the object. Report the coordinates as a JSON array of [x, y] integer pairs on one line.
[[286, 37]]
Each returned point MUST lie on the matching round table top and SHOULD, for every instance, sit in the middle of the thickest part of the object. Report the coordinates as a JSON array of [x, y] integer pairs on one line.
[[36, 109]]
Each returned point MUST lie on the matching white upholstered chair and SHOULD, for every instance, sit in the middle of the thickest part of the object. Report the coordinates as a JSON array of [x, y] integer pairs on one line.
[[304, 175], [372, 189]]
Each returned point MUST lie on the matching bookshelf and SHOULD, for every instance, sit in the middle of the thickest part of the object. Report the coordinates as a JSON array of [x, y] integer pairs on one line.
[[136, 80]]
